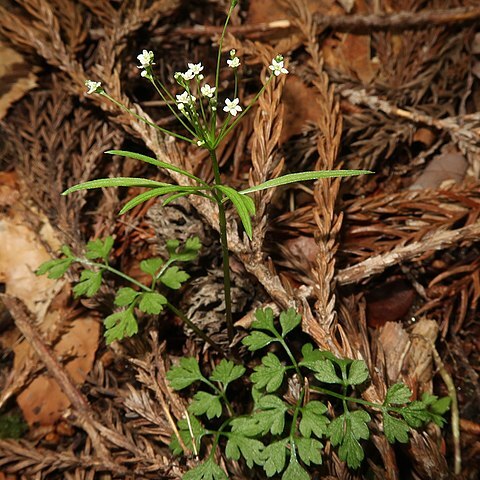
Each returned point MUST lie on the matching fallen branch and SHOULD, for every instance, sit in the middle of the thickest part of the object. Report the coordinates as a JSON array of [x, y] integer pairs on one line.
[[351, 23], [435, 241]]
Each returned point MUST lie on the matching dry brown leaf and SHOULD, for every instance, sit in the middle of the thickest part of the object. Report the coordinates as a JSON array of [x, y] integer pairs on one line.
[[42, 402], [351, 55], [300, 107], [17, 77]]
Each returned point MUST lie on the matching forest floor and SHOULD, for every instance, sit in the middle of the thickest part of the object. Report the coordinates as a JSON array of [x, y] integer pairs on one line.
[[383, 267]]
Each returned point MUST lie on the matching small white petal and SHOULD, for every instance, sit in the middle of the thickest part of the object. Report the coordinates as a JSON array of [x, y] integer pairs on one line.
[[233, 62], [92, 86], [207, 90]]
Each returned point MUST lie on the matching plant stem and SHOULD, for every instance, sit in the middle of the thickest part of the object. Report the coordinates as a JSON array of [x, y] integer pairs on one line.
[[222, 221], [350, 399]]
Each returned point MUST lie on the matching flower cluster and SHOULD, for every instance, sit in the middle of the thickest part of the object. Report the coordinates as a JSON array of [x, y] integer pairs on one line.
[[186, 101], [146, 62]]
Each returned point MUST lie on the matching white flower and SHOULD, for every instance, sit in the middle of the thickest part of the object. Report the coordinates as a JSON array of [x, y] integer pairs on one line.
[[207, 90], [200, 77], [232, 107], [195, 68], [200, 143], [185, 99], [233, 62], [277, 66], [146, 59], [92, 86], [188, 75]]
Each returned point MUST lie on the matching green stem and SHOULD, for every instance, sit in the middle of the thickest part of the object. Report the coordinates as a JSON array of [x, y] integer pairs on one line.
[[219, 55], [293, 426], [222, 221], [234, 123], [148, 122], [360, 401]]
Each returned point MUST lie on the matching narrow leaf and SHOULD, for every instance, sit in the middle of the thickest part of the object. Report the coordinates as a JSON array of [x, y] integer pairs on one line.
[[154, 161], [145, 196], [115, 182], [241, 207], [302, 177]]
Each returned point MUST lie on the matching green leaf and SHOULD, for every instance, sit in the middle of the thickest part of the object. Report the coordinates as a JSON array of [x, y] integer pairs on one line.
[[358, 373], [173, 277], [185, 374], [395, 429], [206, 471], [187, 253], [151, 266], [125, 297], [270, 374], [289, 320], [249, 448], [226, 371], [311, 355], [346, 431], [55, 268], [264, 320], [310, 450], [154, 161], [115, 182], [189, 429], [274, 457], [120, 325], [397, 394], [441, 406], [302, 177], [206, 403], [295, 472], [257, 340], [99, 249], [156, 192], [240, 205], [325, 371], [89, 284], [250, 204], [313, 419], [152, 303], [270, 415], [415, 414]]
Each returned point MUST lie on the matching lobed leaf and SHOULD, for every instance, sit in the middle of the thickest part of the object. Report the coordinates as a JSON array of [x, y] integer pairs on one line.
[[395, 429], [357, 373], [257, 340], [264, 320], [226, 371], [206, 403], [289, 320], [99, 249], [249, 448], [270, 374], [173, 277], [120, 325], [313, 419], [274, 457], [125, 297], [208, 470], [309, 450], [397, 394], [89, 284], [185, 374], [151, 266], [152, 303], [295, 472], [55, 268]]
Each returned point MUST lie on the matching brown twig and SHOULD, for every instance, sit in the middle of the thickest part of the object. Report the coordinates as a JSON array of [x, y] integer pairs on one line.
[[353, 23], [434, 241], [25, 323]]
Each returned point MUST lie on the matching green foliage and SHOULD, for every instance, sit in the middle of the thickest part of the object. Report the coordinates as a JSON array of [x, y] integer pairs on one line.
[[145, 299], [12, 426], [286, 436]]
